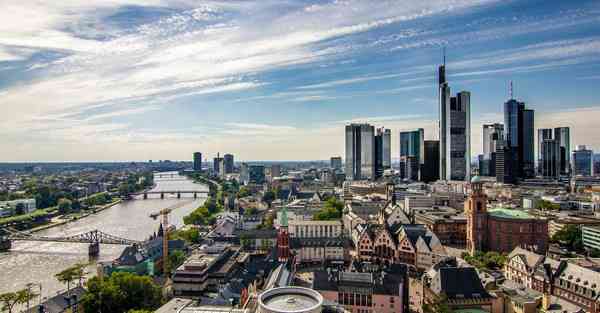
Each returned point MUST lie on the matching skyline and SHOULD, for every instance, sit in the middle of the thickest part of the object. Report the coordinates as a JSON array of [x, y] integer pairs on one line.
[[124, 80]]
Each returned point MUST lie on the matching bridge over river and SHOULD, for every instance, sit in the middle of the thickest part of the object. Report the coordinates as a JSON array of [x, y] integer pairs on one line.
[[38, 261]]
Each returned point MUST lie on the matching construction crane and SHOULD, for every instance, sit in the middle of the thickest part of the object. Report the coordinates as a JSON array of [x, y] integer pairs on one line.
[[164, 213]]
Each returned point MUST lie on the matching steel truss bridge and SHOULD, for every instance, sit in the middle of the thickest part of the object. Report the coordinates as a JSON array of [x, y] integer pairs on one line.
[[94, 238]]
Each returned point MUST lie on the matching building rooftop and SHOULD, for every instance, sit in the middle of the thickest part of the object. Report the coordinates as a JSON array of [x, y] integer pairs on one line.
[[509, 213]]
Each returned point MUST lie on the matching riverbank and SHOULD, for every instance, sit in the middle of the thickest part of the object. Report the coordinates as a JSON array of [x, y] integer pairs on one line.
[[66, 221]]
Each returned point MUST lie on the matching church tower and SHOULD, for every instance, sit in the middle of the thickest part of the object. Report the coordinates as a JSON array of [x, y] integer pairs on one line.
[[283, 237], [476, 212]]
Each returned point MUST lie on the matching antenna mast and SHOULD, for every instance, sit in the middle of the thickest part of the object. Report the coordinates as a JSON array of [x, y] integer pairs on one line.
[[511, 91]]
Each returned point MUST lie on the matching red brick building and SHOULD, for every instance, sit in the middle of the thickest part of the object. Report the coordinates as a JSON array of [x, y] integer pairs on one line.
[[501, 230]]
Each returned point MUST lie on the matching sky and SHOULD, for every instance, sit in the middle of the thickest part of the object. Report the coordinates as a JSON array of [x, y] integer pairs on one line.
[[121, 80]]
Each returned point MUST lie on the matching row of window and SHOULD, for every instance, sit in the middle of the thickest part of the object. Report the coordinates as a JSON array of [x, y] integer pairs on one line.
[[355, 299]]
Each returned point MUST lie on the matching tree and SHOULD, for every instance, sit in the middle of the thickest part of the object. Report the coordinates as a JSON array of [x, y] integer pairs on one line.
[[176, 258], [571, 236], [332, 210], [244, 192], [268, 197], [547, 205], [120, 293], [439, 305], [485, 260], [64, 206], [9, 300], [71, 274]]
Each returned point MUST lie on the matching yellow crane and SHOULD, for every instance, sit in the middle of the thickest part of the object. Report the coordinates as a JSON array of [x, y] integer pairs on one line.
[[164, 213]]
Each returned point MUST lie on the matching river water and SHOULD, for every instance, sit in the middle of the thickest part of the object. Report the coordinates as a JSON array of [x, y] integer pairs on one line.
[[37, 262]]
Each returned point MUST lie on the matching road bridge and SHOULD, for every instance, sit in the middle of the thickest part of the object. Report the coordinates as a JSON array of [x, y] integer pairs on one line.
[[163, 192]]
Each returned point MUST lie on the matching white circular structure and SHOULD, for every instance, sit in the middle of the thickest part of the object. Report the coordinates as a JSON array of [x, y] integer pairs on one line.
[[290, 300]]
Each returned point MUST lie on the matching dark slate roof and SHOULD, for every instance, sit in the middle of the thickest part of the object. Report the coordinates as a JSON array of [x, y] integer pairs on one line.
[[296, 243], [383, 282], [59, 303], [459, 283], [414, 231], [301, 195], [256, 233]]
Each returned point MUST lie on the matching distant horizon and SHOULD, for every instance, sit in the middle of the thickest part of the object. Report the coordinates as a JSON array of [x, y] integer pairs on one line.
[[125, 79]]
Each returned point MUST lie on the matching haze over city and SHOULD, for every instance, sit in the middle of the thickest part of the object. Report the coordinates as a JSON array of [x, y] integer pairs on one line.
[[278, 80]]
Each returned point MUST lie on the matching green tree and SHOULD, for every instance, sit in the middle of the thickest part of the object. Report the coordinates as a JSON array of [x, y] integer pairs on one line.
[[176, 258], [64, 205], [268, 197], [120, 293], [571, 236], [244, 192], [439, 305], [9, 300], [71, 274], [547, 205], [485, 260], [332, 210]]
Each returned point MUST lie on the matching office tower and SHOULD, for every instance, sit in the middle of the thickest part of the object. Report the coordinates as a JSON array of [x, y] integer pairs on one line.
[[228, 163], [197, 161], [543, 134], [360, 152], [550, 157], [244, 174], [492, 133], [583, 161], [256, 174], [275, 170], [519, 138], [563, 138], [455, 131], [336, 163], [382, 151], [431, 168], [411, 154], [217, 164]]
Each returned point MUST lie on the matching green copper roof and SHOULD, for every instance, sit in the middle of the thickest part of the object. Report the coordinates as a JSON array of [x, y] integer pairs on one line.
[[283, 220], [470, 311], [509, 213]]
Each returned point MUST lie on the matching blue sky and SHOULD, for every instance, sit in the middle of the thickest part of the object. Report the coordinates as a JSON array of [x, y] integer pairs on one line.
[[278, 80]]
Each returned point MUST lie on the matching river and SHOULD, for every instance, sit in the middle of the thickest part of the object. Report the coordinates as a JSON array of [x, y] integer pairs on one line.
[[37, 262]]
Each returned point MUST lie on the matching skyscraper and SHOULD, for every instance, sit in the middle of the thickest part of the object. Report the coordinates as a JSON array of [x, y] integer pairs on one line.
[[583, 161], [492, 134], [217, 164], [431, 168], [197, 161], [455, 131], [562, 135], [382, 151], [360, 151], [543, 134], [519, 138], [336, 163], [550, 155], [228, 163], [412, 154]]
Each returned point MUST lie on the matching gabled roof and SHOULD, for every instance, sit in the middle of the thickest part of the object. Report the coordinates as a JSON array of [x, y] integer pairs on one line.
[[458, 283], [530, 259]]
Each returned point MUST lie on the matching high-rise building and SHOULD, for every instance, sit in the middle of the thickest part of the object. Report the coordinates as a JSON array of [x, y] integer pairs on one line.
[[519, 139], [583, 161], [492, 134], [360, 152], [244, 174], [382, 151], [217, 164], [275, 170], [431, 168], [562, 135], [412, 154], [336, 163], [455, 131], [543, 134], [550, 158], [228, 163], [197, 161], [256, 174]]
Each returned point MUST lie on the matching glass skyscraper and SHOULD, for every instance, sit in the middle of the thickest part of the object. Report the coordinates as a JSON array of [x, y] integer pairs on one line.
[[519, 138], [455, 131], [360, 152], [412, 156], [562, 135], [583, 160]]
